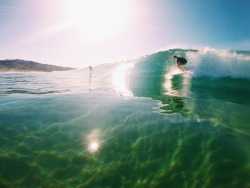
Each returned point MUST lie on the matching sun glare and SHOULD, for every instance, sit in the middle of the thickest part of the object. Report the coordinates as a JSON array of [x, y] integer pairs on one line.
[[93, 147], [120, 79], [93, 142], [97, 20]]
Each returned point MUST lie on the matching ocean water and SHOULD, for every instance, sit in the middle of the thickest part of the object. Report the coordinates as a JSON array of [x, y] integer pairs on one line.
[[137, 123]]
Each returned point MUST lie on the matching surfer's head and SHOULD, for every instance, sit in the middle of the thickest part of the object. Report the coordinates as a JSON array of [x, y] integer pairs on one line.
[[175, 56]]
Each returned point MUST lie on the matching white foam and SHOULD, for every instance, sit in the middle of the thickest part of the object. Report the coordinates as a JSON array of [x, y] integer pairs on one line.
[[219, 63]]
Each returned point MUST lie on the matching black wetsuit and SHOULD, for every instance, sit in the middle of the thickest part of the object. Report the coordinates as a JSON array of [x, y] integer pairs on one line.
[[181, 61]]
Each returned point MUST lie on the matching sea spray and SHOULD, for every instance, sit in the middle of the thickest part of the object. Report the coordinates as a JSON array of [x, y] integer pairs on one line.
[[219, 63]]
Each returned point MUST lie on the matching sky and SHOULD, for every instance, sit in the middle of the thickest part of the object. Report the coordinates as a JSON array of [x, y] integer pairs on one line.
[[79, 33]]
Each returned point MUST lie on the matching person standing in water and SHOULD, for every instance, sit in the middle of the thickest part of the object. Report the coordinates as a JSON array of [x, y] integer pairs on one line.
[[90, 68], [180, 62], [90, 77]]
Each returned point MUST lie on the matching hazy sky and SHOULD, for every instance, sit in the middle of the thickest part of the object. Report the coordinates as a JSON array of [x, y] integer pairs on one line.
[[79, 33]]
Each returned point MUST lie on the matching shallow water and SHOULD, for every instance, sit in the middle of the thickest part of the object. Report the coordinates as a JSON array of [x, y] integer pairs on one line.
[[130, 124]]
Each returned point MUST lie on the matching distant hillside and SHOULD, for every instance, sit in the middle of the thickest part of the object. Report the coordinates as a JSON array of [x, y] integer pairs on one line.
[[22, 65]]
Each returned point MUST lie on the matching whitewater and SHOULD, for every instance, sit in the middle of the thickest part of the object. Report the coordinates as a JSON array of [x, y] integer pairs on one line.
[[133, 123]]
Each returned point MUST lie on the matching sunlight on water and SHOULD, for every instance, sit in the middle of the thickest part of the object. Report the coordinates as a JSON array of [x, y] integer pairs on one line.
[[120, 79], [93, 147], [93, 141]]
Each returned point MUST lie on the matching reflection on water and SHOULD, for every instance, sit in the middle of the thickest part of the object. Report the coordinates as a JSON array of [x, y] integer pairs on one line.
[[176, 87], [93, 140], [176, 83], [120, 79]]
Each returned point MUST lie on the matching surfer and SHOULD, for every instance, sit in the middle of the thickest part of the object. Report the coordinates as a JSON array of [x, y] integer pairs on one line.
[[181, 61]]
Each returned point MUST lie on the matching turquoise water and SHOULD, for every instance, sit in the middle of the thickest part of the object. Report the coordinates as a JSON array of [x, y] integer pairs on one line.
[[137, 123]]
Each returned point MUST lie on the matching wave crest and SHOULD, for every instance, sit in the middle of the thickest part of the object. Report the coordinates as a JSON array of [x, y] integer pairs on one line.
[[219, 63]]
